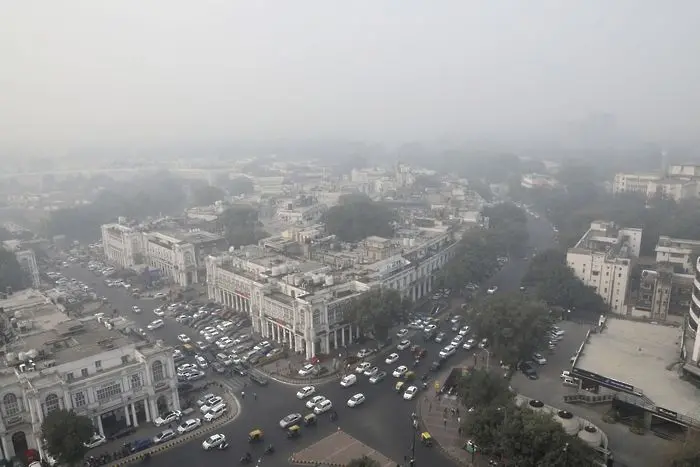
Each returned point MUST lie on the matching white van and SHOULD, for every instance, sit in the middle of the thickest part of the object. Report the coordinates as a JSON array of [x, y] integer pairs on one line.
[[348, 380], [215, 412]]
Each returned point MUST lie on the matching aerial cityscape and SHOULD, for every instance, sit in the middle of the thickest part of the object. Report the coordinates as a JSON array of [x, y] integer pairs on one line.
[[304, 233]]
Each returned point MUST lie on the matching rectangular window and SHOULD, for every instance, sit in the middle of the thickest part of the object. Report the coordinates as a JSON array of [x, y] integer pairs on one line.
[[70, 377], [79, 399], [84, 372], [136, 381], [98, 365], [111, 391]]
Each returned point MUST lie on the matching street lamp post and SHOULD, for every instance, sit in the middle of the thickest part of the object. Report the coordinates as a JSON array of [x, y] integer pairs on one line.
[[414, 429]]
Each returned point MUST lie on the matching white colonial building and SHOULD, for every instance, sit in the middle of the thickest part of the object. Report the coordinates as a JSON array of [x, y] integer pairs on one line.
[[603, 259], [122, 245], [95, 368], [302, 303]]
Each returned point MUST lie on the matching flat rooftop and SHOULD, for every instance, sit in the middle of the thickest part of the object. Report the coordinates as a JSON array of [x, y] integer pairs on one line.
[[338, 449], [642, 355]]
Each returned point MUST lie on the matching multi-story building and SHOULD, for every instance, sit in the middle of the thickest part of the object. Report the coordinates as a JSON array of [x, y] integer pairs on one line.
[[171, 255], [302, 303], [122, 245], [678, 252], [694, 312], [27, 260], [634, 183], [603, 259], [678, 182], [94, 367]]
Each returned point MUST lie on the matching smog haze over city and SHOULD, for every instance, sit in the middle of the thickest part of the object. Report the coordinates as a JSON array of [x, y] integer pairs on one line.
[[132, 74]]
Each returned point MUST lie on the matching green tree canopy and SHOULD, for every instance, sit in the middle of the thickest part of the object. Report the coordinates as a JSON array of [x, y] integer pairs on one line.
[[474, 261], [11, 274], [357, 217], [65, 433], [502, 429], [377, 310], [515, 324], [241, 225], [206, 195], [363, 461], [510, 224], [552, 281]]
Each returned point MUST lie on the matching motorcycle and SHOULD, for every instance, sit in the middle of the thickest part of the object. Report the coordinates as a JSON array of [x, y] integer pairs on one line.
[[246, 459], [270, 449]]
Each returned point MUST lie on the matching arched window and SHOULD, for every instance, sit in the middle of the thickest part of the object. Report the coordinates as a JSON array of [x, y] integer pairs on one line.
[[51, 403], [10, 404], [158, 371]]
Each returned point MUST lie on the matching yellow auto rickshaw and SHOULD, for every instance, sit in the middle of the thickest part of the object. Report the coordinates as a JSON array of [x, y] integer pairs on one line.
[[310, 419], [255, 436], [293, 431], [399, 387], [426, 439]]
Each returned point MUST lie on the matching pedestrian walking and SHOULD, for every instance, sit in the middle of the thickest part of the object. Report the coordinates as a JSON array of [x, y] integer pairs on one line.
[[459, 420], [444, 421], [457, 411], [255, 395], [242, 394], [445, 412], [459, 430]]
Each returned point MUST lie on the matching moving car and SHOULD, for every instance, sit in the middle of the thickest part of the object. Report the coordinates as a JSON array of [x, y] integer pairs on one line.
[[136, 309], [492, 290], [348, 380], [183, 338], [470, 344], [159, 312], [372, 371], [290, 420], [168, 417], [539, 358], [311, 403], [323, 407], [402, 333], [528, 370], [356, 400], [378, 377], [403, 345], [96, 440], [163, 436], [410, 393], [400, 371], [392, 358], [189, 425], [362, 367], [447, 351], [305, 392], [440, 337], [156, 324], [306, 370], [214, 441]]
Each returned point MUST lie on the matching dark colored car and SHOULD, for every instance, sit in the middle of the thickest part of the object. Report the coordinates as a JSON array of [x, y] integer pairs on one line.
[[435, 366], [239, 370], [139, 445], [122, 433], [218, 368], [258, 379], [528, 370]]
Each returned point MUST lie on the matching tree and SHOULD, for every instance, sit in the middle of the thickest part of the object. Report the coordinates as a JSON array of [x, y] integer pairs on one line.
[[510, 224], [363, 461], [476, 259], [480, 388], [207, 195], [11, 274], [66, 433], [377, 310], [357, 217], [241, 225], [239, 186], [515, 324], [553, 282]]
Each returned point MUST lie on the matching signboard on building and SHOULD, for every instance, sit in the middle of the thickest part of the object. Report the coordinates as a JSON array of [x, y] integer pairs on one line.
[[667, 413], [607, 382]]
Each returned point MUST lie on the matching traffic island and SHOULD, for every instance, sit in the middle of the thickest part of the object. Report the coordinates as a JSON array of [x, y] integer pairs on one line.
[[337, 450]]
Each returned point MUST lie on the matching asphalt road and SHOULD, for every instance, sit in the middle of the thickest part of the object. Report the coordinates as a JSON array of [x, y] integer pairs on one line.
[[382, 422]]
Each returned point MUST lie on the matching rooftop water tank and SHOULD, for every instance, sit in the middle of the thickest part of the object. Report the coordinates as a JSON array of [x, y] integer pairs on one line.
[[569, 423], [329, 280], [591, 436]]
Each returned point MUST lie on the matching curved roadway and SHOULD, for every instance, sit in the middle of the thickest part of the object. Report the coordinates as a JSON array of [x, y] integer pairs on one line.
[[382, 422]]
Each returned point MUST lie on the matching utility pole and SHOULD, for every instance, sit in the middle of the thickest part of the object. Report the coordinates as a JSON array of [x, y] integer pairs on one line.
[[414, 429]]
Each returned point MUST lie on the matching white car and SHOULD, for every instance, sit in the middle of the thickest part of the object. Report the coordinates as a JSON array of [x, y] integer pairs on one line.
[[163, 436], [539, 358], [183, 338], [447, 351], [289, 420], [207, 330], [403, 345], [189, 425], [323, 407], [305, 392], [565, 374], [210, 404], [456, 340], [410, 393], [157, 324], [402, 333], [214, 441], [168, 417], [371, 371], [430, 328], [159, 295], [469, 344], [400, 371], [136, 309], [464, 331], [96, 440], [492, 290], [392, 358], [356, 400], [311, 403], [362, 367], [159, 312], [363, 353], [306, 370]]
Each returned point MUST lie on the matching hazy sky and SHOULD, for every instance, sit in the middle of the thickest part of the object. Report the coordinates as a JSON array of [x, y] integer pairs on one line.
[[151, 71]]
